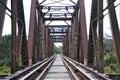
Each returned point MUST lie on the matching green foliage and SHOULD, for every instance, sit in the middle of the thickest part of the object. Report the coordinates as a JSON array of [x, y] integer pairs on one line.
[[110, 65], [58, 50], [4, 70], [109, 58], [5, 59], [112, 68], [108, 46], [5, 50]]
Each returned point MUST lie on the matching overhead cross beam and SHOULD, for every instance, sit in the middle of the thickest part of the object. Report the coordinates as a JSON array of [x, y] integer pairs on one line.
[[58, 26], [57, 7], [57, 19]]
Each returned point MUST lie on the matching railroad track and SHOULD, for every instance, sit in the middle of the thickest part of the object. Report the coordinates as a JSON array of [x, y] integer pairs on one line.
[[38, 71], [80, 72], [35, 72]]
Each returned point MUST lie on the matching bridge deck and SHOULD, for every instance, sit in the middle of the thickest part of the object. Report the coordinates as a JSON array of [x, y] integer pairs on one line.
[[58, 71]]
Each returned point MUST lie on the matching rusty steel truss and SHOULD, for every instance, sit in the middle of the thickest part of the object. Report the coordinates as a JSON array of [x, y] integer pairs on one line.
[[45, 29]]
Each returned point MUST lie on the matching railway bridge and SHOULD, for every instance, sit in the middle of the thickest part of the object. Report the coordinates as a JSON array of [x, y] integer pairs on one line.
[[65, 22]]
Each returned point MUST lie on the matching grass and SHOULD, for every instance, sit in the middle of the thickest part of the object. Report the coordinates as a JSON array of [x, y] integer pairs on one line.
[[4, 70]]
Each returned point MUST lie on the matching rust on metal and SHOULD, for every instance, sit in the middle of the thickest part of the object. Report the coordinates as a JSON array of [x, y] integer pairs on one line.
[[83, 31], [100, 38], [14, 58], [115, 31], [31, 31]]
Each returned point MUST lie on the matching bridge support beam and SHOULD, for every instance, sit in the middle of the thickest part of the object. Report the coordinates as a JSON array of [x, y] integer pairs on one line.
[[95, 47], [22, 40], [83, 31], [14, 66], [115, 31], [31, 30], [46, 42], [74, 36], [92, 35], [19, 42], [100, 38], [69, 41], [40, 26]]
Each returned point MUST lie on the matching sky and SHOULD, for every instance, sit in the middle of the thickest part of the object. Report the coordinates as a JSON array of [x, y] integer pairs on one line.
[[27, 5]]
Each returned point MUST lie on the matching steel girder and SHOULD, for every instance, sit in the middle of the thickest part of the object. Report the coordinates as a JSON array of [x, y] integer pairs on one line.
[[100, 38], [14, 56], [92, 34], [83, 31], [115, 31], [32, 30], [22, 39], [19, 42], [95, 47]]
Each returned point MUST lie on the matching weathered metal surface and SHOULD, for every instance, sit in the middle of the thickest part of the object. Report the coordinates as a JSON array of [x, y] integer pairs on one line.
[[83, 31], [56, 26], [40, 19], [57, 19], [75, 43], [92, 34], [115, 31], [57, 71], [46, 42], [22, 40], [31, 31], [82, 72], [33, 72], [69, 39], [100, 38], [14, 54]]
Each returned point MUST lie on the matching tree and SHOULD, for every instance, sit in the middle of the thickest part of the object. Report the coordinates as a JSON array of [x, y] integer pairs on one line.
[[109, 56], [5, 51], [108, 46], [57, 50]]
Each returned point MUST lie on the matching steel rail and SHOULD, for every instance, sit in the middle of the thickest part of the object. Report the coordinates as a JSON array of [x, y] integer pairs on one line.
[[35, 71], [99, 75], [28, 70], [40, 76], [70, 70], [78, 65], [78, 71]]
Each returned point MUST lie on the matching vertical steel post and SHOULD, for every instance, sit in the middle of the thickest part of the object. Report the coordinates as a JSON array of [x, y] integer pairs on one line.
[[92, 51], [67, 45], [14, 65], [31, 30], [69, 39], [46, 42], [43, 39], [40, 18], [49, 45], [76, 34], [100, 38], [34, 55], [83, 31], [115, 32], [22, 40]]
